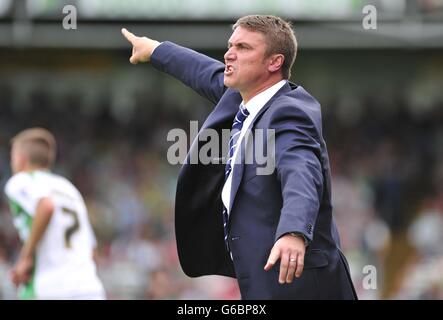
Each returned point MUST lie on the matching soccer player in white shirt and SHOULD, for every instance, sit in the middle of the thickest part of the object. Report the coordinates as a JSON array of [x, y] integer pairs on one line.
[[56, 260]]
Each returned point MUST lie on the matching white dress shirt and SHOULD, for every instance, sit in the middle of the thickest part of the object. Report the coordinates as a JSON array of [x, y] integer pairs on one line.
[[254, 106]]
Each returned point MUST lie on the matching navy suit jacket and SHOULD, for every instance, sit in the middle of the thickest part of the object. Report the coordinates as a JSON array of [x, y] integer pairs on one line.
[[296, 197]]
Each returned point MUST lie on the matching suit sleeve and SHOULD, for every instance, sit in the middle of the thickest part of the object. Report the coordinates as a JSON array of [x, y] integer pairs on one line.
[[202, 73], [299, 170]]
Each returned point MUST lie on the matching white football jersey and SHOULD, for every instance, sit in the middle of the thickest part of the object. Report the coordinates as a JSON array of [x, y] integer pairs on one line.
[[64, 267]]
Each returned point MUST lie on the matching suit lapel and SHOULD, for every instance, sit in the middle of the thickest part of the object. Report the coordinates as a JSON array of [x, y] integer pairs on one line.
[[225, 111], [220, 118], [239, 167]]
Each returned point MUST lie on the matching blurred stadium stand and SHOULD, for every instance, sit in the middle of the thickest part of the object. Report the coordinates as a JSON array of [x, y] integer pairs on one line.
[[382, 103]]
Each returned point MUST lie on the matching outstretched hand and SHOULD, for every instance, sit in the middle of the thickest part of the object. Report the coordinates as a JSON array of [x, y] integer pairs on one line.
[[142, 47], [291, 252]]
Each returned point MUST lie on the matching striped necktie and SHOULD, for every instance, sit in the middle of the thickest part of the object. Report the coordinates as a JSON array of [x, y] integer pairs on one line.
[[237, 125]]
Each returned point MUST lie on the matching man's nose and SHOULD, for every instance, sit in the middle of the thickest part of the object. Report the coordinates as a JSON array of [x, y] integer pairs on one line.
[[229, 55]]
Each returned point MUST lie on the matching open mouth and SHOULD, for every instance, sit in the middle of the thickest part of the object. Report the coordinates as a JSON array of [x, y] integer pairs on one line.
[[228, 70]]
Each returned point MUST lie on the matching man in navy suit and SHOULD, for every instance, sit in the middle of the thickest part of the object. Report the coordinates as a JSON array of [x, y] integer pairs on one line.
[[274, 232]]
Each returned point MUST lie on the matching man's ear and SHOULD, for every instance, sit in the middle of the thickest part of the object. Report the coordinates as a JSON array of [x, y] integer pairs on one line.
[[275, 62]]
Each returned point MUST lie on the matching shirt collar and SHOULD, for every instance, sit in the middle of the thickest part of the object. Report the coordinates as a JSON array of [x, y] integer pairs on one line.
[[257, 102]]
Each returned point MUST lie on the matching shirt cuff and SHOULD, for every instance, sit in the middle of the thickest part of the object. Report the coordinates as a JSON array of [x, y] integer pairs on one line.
[[156, 46], [299, 234]]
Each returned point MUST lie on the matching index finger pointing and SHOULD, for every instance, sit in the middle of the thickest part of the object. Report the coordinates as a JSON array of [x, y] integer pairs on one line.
[[128, 35]]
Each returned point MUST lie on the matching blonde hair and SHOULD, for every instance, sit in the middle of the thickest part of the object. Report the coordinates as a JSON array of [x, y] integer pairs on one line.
[[38, 144]]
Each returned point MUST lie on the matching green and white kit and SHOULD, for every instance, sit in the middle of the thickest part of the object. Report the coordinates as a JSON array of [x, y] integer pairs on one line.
[[64, 267]]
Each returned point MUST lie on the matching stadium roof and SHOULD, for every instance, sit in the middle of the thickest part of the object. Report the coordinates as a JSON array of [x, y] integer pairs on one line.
[[203, 25]]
